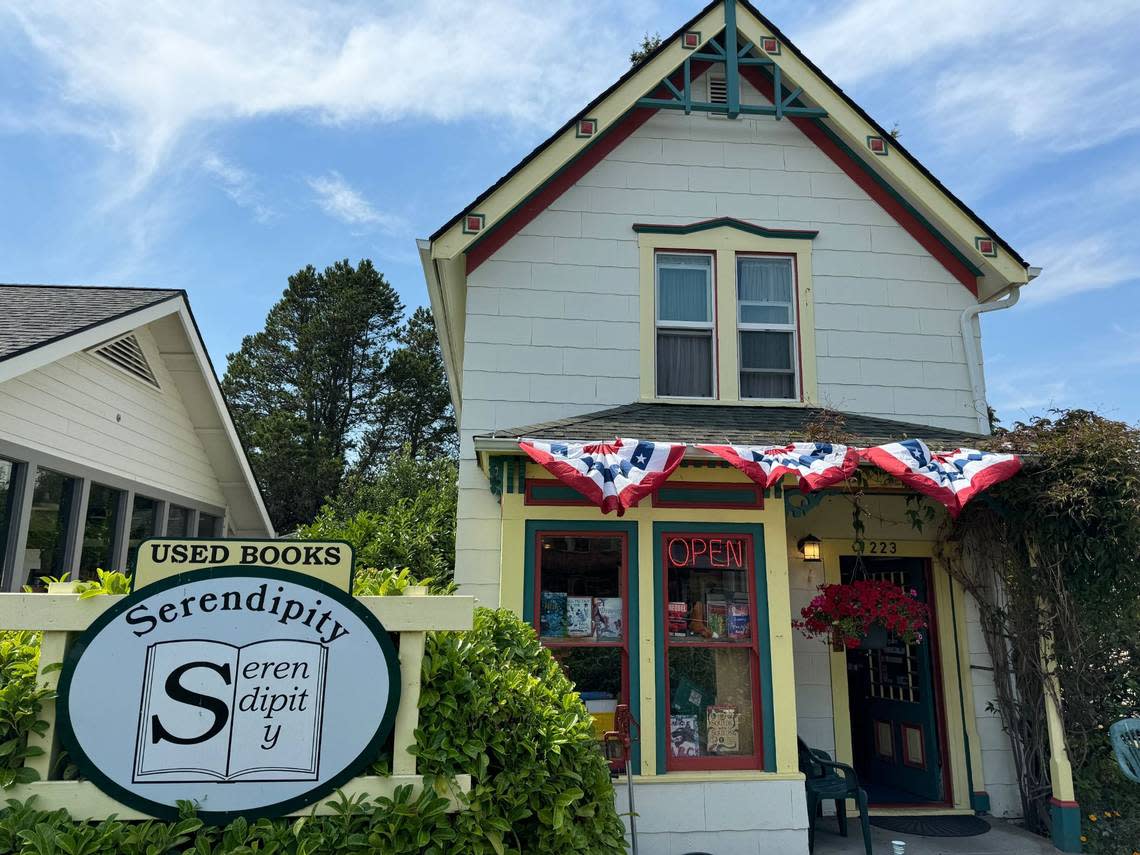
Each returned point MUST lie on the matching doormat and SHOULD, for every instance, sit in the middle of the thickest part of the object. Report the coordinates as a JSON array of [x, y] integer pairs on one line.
[[933, 826]]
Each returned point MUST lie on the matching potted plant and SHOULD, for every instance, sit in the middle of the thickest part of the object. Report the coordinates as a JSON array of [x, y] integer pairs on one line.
[[863, 614]]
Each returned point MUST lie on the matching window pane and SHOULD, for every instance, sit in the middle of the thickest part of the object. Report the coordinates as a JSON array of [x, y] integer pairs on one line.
[[684, 364], [708, 588], [178, 522], [580, 593], [767, 350], [683, 288], [7, 500], [710, 705], [52, 496], [752, 313], [99, 531], [764, 280], [207, 525], [144, 516], [755, 384]]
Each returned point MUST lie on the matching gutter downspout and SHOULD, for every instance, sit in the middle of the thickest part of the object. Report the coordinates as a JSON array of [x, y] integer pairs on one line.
[[970, 343]]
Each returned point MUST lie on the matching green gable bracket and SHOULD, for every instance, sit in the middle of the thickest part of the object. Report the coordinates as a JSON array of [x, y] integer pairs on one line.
[[724, 223], [507, 474]]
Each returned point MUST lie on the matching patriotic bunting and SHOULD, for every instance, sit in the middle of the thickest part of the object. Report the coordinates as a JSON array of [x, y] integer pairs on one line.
[[952, 478], [613, 476], [818, 464]]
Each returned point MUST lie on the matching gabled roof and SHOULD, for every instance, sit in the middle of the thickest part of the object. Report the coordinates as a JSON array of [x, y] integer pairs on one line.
[[40, 324], [34, 315], [718, 423]]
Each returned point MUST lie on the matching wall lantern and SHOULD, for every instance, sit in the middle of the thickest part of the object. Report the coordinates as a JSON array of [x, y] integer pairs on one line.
[[809, 548]]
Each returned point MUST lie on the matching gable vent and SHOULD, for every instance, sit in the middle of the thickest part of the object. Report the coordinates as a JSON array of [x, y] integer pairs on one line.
[[126, 354], [718, 91]]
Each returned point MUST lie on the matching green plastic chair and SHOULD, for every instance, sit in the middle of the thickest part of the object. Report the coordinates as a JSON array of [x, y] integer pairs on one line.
[[826, 779], [1125, 736]]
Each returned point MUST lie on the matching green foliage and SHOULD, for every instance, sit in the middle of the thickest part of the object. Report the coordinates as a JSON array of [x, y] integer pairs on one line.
[[21, 704], [1113, 800], [404, 518], [334, 383], [649, 43]]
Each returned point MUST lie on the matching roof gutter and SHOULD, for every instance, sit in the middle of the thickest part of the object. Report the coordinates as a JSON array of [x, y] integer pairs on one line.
[[973, 349]]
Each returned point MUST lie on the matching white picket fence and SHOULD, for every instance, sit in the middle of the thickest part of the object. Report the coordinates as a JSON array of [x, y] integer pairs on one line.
[[60, 614]]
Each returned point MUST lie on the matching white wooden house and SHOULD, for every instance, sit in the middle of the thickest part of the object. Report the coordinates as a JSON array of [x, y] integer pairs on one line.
[[723, 247], [112, 429]]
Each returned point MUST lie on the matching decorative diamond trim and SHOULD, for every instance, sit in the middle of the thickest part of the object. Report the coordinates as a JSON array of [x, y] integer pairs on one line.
[[586, 128], [474, 223], [770, 45], [691, 40], [877, 145], [986, 246]]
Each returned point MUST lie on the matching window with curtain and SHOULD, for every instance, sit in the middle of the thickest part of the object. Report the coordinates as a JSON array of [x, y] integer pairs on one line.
[[684, 326], [766, 318]]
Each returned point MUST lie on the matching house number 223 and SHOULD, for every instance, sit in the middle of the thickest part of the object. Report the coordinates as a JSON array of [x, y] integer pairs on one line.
[[882, 547]]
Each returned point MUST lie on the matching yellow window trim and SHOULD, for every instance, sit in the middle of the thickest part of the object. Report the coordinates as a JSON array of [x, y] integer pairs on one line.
[[724, 243]]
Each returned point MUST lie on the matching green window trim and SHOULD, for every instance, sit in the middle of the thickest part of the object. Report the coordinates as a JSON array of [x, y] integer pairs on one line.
[[633, 624], [763, 628]]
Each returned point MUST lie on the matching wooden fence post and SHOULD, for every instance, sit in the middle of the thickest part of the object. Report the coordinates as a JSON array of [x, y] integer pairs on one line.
[[408, 715], [53, 647]]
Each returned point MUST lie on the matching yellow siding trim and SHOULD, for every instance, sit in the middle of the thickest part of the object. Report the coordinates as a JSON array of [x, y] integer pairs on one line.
[[725, 242], [780, 630], [647, 646], [978, 773]]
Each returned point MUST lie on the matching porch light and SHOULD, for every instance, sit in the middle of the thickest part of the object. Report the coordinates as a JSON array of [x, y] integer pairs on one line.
[[809, 547]]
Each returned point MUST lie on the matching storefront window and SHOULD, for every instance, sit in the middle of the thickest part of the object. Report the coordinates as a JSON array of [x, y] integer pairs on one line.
[[7, 500], [711, 652], [99, 530], [207, 525], [52, 495], [580, 608], [144, 519], [178, 522]]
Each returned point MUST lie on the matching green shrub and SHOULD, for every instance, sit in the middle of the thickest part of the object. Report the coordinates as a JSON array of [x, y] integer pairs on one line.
[[494, 705], [21, 703]]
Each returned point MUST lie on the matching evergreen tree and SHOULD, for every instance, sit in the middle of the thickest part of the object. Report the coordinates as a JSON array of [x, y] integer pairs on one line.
[[306, 389]]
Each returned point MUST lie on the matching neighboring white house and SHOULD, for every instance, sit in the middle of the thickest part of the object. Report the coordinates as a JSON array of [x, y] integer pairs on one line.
[[112, 429], [723, 247]]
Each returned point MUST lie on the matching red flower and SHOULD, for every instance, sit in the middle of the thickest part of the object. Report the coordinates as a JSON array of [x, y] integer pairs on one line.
[[849, 611]]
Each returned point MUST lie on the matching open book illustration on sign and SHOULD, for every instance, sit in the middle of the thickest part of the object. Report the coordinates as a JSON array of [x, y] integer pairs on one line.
[[212, 711]]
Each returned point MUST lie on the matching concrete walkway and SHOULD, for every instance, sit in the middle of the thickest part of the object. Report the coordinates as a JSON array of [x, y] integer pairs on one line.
[[1003, 838]]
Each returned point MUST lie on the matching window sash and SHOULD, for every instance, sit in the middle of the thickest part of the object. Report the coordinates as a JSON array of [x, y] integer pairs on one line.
[[685, 263], [704, 335], [791, 329]]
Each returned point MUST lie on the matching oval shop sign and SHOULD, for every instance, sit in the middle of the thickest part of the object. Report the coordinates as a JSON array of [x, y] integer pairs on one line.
[[248, 692]]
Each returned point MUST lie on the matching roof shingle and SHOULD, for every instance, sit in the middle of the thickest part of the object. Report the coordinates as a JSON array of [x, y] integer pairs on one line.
[[34, 315], [718, 423]]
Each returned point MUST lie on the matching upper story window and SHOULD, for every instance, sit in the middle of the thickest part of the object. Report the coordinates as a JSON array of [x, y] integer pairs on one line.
[[685, 340], [766, 319]]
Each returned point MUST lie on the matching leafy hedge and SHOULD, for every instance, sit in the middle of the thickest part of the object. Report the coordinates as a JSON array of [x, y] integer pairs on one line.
[[494, 704]]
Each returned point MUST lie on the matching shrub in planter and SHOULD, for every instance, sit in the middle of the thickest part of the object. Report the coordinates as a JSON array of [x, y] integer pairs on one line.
[[848, 613]]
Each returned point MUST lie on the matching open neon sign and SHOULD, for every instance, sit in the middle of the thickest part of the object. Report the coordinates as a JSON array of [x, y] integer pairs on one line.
[[706, 552]]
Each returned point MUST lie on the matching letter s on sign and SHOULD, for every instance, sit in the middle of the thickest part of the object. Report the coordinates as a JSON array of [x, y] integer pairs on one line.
[[177, 692]]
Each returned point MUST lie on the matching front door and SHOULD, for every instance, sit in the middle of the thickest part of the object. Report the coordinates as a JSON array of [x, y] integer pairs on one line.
[[895, 706]]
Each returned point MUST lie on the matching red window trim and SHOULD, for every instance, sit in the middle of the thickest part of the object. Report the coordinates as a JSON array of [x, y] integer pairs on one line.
[[755, 760], [799, 327], [623, 592]]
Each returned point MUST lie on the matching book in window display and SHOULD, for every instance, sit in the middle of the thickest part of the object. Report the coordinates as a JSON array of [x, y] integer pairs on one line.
[[552, 614], [722, 729], [678, 619], [608, 618], [739, 617], [579, 617], [684, 736], [717, 615]]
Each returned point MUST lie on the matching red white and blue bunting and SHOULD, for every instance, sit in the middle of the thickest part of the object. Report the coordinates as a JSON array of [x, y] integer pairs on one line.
[[816, 464], [613, 476], [952, 478], [616, 476]]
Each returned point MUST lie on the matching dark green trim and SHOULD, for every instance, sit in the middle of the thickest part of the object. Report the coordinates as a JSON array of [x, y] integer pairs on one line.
[[556, 492], [763, 630], [980, 802], [92, 772], [693, 494], [633, 614], [878, 179], [1066, 826], [723, 222]]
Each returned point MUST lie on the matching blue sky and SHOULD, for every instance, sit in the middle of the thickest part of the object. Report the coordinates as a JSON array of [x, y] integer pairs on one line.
[[219, 148]]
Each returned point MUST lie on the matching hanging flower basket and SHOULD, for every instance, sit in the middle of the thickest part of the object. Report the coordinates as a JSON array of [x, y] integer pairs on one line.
[[863, 614]]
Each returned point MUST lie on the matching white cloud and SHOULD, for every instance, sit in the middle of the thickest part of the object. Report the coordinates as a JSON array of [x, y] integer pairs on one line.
[[1073, 265], [238, 184], [340, 200], [146, 74]]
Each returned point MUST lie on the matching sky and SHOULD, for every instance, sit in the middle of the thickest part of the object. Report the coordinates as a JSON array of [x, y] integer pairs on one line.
[[220, 146]]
